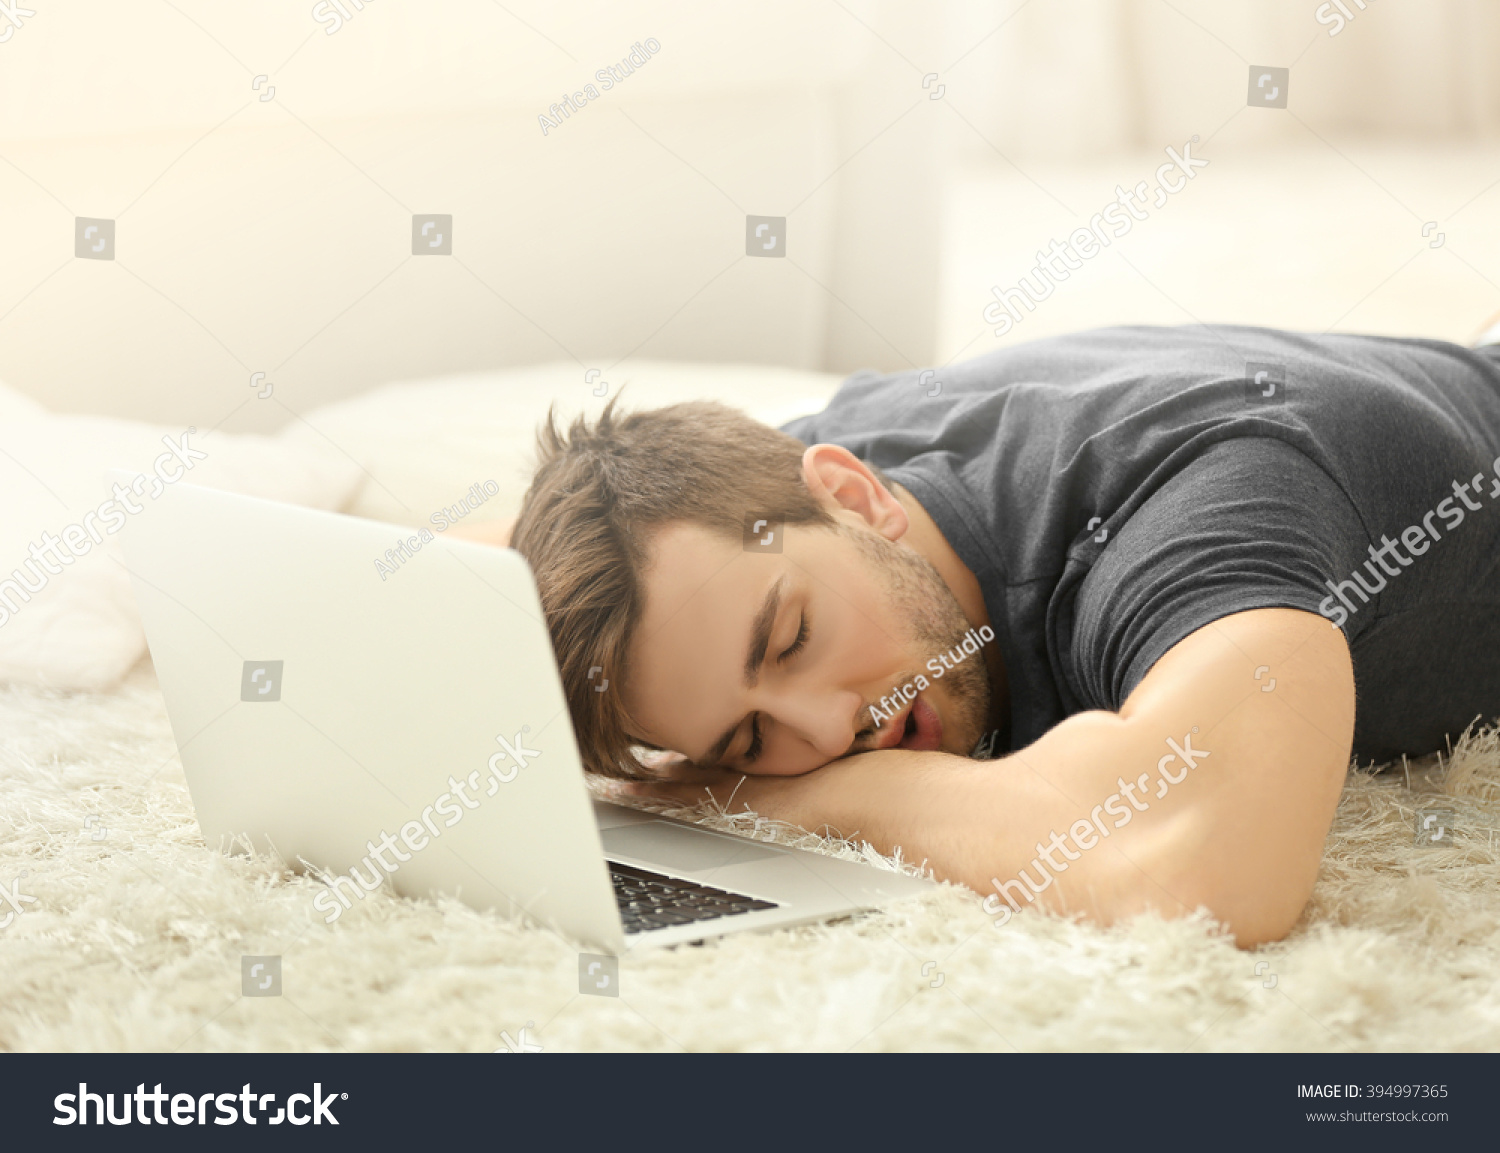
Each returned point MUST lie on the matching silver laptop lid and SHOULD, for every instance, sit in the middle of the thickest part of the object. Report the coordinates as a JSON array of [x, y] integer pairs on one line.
[[325, 706]]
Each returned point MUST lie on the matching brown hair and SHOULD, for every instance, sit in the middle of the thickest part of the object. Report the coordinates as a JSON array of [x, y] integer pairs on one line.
[[599, 493]]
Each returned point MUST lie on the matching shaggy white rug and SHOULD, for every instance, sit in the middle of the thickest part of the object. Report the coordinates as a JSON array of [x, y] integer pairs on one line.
[[132, 933]]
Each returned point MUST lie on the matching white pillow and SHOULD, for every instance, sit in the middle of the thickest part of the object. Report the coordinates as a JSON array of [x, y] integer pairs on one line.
[[80, 628], [14, 404], [425, 444]]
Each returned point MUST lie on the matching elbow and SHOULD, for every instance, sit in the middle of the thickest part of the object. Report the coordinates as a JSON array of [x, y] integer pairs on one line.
[[1256, 903], [1260, 916], [1261, 928]]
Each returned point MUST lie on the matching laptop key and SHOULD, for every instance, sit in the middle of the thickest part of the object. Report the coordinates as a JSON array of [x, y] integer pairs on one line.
[[654, 901]]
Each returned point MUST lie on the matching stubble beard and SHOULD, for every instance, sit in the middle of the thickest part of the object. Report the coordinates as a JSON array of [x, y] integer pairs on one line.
[[923, 602]]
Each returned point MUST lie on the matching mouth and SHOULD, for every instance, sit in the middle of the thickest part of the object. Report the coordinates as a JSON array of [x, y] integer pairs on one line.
[[917, 728]]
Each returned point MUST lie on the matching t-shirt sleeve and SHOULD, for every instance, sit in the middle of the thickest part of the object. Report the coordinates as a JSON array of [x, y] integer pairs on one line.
[[1250, 523]]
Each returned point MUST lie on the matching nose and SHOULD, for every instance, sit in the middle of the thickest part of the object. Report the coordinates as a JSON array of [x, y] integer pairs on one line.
[[827, 722]]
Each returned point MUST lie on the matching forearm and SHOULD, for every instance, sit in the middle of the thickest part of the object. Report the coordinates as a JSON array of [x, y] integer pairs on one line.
[[982, 822], [1214, 786], [969, 821]]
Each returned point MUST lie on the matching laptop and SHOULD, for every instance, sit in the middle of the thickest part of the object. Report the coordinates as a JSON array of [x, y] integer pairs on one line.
[[387, 709]]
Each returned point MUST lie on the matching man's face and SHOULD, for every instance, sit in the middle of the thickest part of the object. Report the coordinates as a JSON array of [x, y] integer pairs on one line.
[[767, 663]]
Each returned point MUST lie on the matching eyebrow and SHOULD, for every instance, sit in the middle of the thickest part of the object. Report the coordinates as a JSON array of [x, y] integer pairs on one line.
[[755, 657], [760, 632]]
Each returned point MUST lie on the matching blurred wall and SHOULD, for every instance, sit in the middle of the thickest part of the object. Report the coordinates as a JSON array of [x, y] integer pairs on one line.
[[1078, 79], [261, 231]]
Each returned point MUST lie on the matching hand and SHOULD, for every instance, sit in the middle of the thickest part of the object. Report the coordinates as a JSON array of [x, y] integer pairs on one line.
[[685, 784], [826, 800], [780, 798]]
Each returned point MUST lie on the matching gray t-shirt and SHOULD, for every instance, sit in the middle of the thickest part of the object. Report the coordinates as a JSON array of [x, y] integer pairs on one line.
[[1115, 490]]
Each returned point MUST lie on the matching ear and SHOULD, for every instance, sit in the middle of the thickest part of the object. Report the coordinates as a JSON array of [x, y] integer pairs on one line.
[[844, 484]]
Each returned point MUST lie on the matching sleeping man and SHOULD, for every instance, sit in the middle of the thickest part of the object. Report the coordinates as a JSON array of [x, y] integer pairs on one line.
[[1093, 623]]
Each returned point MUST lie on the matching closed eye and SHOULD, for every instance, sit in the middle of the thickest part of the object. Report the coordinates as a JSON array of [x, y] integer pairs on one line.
[[797, 645], [753, 750]]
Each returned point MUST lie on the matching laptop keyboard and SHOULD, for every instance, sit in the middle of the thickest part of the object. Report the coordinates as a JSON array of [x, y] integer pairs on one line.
[[653, 901]]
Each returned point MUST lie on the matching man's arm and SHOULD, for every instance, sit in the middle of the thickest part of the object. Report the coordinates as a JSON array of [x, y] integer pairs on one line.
[[1229, 759]]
